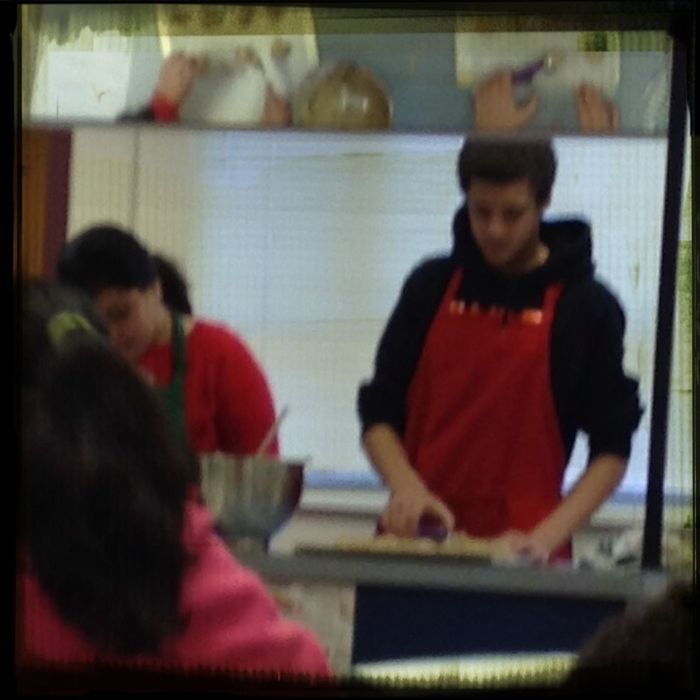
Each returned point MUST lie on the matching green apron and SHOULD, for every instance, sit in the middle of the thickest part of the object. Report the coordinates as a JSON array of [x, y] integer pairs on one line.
[[173, 393]]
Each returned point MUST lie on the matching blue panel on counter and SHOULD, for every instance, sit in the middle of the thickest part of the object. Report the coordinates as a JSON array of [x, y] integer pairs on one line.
[[401, 623], [338, 479], [368, 480]]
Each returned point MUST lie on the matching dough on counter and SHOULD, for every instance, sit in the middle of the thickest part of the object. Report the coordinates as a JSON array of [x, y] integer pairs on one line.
[[461, 544], [458, 544]]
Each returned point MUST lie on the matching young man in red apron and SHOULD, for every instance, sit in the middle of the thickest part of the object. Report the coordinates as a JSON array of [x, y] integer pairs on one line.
[[492, 361]]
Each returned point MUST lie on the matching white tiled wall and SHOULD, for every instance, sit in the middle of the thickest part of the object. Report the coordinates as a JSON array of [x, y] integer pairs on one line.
[[102, 178]]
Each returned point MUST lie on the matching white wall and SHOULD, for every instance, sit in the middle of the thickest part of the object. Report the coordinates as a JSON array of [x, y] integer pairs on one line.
[[301, 242], [102, 178]]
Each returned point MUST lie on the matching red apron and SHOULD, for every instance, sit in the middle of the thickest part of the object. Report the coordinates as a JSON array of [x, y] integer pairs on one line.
[[481, 424]]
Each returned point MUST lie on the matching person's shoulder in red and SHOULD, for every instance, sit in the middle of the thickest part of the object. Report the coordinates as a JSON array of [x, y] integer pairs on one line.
[[216, 342], [236, 382], [215, 335]]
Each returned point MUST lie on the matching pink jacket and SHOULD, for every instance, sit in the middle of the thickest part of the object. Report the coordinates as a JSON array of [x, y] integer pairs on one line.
[[233, 622]]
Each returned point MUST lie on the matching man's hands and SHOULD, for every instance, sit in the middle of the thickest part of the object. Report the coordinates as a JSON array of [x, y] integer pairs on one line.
[[515, 544], [495, 108], [406, 507], [177, 74]]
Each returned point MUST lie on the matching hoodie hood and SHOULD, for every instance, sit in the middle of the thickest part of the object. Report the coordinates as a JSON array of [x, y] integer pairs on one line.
[[570, 251]]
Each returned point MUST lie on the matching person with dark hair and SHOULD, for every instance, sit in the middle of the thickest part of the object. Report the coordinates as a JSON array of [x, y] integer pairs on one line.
[[118, 562], [173, 285], [647, 646], [491, 362], [215, 391]]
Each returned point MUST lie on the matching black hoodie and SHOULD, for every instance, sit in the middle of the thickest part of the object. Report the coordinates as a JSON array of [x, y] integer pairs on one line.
[[591, 391]]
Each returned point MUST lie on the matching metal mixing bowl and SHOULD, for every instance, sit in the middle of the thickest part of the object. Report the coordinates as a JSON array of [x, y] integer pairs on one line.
[[251, 497]]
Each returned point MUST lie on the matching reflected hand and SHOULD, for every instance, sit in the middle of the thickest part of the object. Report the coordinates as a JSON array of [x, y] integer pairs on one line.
[[495, 108], [595, 113], [277, 111], [406, 507], [177, 75]]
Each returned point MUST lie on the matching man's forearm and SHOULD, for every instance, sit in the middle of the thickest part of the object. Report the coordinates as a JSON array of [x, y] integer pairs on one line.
[[388, 456], [601, 478]]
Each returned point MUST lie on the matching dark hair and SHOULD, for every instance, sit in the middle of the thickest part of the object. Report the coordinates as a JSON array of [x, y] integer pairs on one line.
[[504, 160], [173, 285], [102, 487], [643, 647], [106, 256]]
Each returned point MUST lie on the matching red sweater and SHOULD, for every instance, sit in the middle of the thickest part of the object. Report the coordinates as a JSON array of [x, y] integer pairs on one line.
[[233, 623], [228, 404]]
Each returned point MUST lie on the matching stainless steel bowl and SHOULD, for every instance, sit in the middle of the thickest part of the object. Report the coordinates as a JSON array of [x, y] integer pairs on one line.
[[251, 497]]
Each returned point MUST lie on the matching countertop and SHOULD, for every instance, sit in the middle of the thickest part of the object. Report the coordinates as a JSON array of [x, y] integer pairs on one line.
[[448, 574]]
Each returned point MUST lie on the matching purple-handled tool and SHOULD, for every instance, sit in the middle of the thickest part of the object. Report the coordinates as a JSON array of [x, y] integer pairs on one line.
[[431, 528], [548, 63]]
